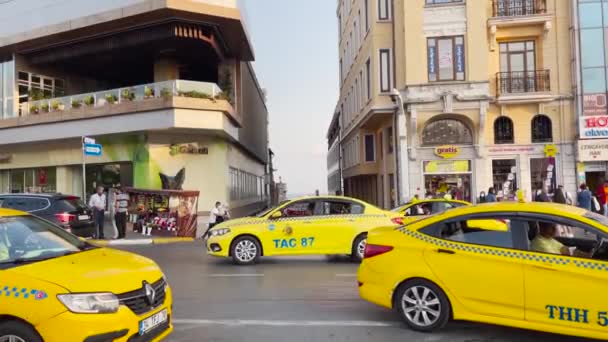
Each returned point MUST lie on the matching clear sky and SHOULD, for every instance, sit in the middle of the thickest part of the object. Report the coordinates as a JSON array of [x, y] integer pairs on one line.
[[296, 49]]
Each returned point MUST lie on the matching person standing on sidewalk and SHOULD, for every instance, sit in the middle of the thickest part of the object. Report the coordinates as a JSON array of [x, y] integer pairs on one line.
[[121, 207], [98, 203], [584, 198], [601, 196]]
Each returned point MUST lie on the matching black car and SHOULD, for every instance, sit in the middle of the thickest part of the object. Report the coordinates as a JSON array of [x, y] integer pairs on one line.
[[70, 212]]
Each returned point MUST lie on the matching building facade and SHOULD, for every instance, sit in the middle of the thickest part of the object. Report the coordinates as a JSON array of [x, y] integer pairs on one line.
[[589, 23], [487, 98], [161, 85], [334, 157]]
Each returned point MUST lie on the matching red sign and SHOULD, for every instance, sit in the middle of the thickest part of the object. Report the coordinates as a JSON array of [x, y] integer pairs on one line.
[[42, 177], [594, 104], [596, 121]]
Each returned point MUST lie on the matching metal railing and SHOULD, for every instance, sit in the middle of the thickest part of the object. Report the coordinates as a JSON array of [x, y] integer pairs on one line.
[[513, 8], [523, 82], [203, 90]]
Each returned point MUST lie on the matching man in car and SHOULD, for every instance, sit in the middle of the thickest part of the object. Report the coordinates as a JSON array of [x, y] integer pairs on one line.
[[545, 242]]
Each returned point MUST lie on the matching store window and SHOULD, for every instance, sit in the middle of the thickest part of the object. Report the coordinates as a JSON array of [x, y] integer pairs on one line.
[[503, 131], [504, 178], [446, 58], [447, 131], [542, 174], [448, 176], [39, 180], [38, 87], [542, 131]]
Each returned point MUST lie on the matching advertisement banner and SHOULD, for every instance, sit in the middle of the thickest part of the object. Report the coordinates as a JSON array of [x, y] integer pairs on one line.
[[593, 150], [593, 127], [594, 104]]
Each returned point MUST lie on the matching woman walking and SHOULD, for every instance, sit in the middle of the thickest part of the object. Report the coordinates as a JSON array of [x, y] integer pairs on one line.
[[584, 197]]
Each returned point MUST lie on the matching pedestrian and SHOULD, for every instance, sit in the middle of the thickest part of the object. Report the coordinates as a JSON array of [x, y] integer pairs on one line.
[[98, 203], [562, 229], [121, 204], [491, 196], [583, 198], [215, 217], [559, 196], [542, 195], [567, 195], [601, 196], [482, 197]]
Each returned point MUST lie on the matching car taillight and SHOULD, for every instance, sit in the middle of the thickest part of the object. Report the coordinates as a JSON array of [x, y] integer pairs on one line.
[[373, 250], [397, 220], [65, 218]]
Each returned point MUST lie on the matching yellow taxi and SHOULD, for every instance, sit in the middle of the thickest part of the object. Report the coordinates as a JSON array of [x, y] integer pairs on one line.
[[56, 287], [539, 266], [417, 209], [310, 225]]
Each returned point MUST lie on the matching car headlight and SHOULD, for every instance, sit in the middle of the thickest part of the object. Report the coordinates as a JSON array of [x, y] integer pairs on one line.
[[90, 303], [219, 232]]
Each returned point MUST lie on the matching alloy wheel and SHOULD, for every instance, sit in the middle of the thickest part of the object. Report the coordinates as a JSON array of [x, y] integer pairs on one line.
[[361, 248], [245, 251], [421, 306], [11, 338]]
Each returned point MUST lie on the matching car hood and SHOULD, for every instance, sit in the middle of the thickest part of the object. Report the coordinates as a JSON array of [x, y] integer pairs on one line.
[[96, 270]]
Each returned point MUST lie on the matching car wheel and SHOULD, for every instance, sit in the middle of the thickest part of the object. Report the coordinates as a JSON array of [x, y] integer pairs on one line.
[[17, 332], [358, 249], [245, 250], [422, 305]]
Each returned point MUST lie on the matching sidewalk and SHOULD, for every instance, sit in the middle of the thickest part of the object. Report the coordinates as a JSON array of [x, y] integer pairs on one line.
[[133, 238]]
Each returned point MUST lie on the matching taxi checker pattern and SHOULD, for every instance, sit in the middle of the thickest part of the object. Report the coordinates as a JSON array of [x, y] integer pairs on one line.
[[22, 293], [298, 218], [600, 266]]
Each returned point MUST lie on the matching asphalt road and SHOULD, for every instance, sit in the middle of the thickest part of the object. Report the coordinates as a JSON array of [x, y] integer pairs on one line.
[[287, 299]]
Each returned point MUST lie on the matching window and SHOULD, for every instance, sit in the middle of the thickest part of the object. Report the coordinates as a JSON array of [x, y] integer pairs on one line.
[[385, 70], [356, 43], [565, 237], [495, 232], [390, 140], [341, 72], [446, 131], [361, 103], [370, 149], [446, 58], [542, 131], [419, 210], [299, 209], [518, 67], [342, 208], [366, 6], [503, 130], [38, 87], [542, 175], [356, 97], [439, 207], [368, 74], [504, 178], [381, 147], [440, 2], [384, 10]]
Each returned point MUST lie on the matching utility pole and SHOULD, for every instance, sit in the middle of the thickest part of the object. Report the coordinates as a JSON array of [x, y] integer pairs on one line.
[[403, 158]]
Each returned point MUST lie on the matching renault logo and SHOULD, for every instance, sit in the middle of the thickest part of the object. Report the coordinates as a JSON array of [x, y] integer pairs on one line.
[[150, 293]]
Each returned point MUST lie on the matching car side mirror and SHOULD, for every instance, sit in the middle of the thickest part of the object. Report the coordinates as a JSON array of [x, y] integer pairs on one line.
[[276, 215]]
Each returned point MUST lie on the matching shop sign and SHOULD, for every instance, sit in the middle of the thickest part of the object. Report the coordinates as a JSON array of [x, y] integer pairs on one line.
[[447, 166], [550, 150], [594, 104], [6, 158], [511, 149], [447, 152], [593, 127], [188, 149], [592, 150]]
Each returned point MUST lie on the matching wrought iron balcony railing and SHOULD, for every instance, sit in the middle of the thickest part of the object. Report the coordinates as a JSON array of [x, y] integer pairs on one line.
[[515, 8], [523, 82]]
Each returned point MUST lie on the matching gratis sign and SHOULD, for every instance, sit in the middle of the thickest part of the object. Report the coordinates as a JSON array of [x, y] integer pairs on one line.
[[92, 150]]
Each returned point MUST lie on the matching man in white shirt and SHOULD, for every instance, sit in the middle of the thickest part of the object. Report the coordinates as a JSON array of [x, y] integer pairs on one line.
[[98, 203]]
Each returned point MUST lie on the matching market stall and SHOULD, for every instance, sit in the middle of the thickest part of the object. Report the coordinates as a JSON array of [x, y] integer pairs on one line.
[[163, 212]]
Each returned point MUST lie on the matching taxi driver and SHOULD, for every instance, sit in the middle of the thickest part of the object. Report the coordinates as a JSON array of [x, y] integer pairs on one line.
[[545, 242]]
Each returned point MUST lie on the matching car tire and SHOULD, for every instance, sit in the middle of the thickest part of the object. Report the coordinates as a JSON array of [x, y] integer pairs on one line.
[[20, 331], [245, 250], [422, 305], [358, 248]]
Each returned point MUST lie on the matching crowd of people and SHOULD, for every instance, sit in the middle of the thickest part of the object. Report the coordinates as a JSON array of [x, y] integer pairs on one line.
[[585, 198]]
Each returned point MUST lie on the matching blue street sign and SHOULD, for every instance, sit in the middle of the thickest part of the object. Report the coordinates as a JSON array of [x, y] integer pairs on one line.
[[92, 149]]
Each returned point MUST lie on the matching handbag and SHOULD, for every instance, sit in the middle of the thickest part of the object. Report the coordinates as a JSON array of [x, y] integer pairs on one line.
[[596, 204]]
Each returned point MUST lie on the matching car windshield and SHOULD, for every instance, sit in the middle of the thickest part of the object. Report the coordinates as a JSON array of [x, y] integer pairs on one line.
[[601, 219], [267, 211], [27, 239], [398, 209]]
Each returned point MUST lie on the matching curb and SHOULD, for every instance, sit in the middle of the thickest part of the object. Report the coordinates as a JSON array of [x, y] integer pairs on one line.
[[140, 242]]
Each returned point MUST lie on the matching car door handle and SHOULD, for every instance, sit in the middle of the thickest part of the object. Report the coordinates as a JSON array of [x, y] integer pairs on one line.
[[446, 251]]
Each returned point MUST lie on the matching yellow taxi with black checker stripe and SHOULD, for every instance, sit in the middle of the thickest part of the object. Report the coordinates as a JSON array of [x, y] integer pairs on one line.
[[57, 287], [417, 209], [539, 266], [310, 225]]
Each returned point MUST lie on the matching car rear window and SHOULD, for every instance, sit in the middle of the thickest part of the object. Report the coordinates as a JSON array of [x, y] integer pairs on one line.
[[70, 204]]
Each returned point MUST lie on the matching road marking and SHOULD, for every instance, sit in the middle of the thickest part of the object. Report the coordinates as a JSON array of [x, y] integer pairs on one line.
[[242, 322], [346, 275], [221, 275]]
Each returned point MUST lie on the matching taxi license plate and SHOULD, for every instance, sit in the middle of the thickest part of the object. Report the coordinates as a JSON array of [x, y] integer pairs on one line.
[[152, 322], [83, 217]]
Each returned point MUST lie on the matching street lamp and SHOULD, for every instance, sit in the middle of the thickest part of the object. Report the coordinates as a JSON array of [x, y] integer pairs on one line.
[[403, 180]]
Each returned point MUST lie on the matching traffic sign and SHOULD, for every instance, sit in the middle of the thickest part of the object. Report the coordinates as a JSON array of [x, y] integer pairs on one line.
[[88, 140], [92, 149]]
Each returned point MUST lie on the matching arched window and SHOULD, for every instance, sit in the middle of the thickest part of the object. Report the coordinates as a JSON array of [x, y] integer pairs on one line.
[[503, 130], [447, 131], [541, 129]]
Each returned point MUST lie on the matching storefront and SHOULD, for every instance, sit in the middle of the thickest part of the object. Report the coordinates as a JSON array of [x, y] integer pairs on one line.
[[448, 173], [592, 160]]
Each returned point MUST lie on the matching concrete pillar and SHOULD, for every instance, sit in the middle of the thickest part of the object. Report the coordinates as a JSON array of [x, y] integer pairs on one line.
[[166, 69], [64, 181]]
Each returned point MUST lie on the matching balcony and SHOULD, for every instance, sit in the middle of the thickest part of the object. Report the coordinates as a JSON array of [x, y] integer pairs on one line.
[[523, 86], [517, 8]]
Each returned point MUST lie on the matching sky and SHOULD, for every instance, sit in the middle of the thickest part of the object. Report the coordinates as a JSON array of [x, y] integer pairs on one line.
[[296, 50]]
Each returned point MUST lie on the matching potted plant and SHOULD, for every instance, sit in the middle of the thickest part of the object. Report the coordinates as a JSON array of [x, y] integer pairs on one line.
[[89, 100], [45, 107], [111, 98], [226, 85], [148, 92], [34, 109], [55, 105], [76, 103], [166, 93], [127, 94], [35, 94], [196, 94]]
